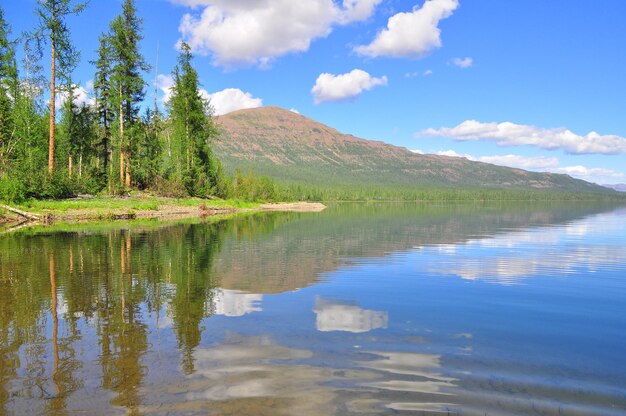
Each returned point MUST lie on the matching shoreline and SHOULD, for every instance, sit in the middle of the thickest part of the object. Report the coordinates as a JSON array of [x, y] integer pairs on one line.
[[12, 218]]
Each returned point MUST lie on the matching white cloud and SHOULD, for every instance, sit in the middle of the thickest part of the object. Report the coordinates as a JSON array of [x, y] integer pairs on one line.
[[411, 34], [253, 32], [597, 175], [543, 164], [452, 153], [463, 62], [293, 110], [357, 10], [416, 74], [82, 96], [522, 162], [511, 134], [330, 87], [165, 82], [232, 99], [225, 101]]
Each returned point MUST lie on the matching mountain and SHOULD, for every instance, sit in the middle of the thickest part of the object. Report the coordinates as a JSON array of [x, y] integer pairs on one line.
[[292, 148], [620, 187]]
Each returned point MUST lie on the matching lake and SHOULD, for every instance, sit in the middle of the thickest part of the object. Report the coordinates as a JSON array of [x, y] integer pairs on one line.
[[470, 309]]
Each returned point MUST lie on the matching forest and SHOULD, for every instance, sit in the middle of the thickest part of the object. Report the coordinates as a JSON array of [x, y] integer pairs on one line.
[[50, 147]]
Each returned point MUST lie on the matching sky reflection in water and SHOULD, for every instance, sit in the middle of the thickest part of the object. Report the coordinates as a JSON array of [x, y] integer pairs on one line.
[[362, 309]]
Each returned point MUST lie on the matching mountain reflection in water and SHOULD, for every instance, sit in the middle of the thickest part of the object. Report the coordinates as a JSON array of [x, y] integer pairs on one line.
[[363, 309]]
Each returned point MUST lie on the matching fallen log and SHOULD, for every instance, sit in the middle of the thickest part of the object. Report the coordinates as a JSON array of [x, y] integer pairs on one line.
[[28, 215], [19, 226]]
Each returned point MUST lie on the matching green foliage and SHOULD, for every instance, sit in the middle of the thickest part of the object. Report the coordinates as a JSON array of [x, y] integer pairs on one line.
[[54, 29], [147, 150], [12, 190], [8, 85], [170, 155], [128, 61], [251, 187], [192, 130], [58, 186], [435, 194]]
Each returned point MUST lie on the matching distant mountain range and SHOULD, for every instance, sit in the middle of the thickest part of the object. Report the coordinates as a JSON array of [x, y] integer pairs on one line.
[[621, 187], [292, 148]]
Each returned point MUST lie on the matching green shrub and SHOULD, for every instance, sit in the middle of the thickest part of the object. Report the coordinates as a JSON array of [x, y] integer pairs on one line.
[[58, 187], [12, 190], [170, 188], [251, 187]]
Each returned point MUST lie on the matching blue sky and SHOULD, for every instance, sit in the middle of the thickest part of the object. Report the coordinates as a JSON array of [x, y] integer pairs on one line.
[[534, 84]]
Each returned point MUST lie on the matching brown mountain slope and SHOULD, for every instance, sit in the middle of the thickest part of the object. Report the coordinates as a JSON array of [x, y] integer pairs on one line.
[[292, 148]]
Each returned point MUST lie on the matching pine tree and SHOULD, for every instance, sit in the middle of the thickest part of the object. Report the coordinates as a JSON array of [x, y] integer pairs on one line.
[[63, 56], [129, 64], [193, 128]]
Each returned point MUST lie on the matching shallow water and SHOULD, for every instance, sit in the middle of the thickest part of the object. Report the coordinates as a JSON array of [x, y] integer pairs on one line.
[[363, 309]]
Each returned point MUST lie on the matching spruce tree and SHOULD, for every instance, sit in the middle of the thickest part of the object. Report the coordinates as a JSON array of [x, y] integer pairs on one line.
[[104, 107], [193, 129], [69, 137], [53, 30], [129, 64]]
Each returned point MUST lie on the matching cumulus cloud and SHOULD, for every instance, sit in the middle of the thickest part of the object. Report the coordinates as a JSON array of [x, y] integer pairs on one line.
[[597, 175], [463, 62], [522, 162], [511, 134], [330, 87], [82, 96], [252, 32], [225, 101], [543, 164], [232, 99], [165, 82], [411, 34]]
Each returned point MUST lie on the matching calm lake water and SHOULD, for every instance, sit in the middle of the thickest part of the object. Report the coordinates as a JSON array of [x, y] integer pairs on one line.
[[363, 309]]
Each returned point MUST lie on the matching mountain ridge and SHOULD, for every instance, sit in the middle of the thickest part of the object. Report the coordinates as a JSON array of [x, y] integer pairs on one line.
[[619, 187], [294, 149]]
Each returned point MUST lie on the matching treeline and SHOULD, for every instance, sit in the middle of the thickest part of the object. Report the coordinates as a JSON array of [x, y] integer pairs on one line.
[[435, 194], [58, 148]]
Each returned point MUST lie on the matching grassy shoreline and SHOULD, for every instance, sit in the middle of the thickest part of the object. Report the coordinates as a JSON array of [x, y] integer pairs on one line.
[[104, 208]]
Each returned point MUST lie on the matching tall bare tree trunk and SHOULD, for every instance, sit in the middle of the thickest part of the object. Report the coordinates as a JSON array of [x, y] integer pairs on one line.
[[128, 151], [110, 155], [121, 138], [55, 326], [187, 130], [69, 166], [52, 107], [128, 169]]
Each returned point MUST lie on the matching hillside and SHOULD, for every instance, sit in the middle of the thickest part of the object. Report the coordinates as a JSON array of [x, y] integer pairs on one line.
[[292, 148]]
